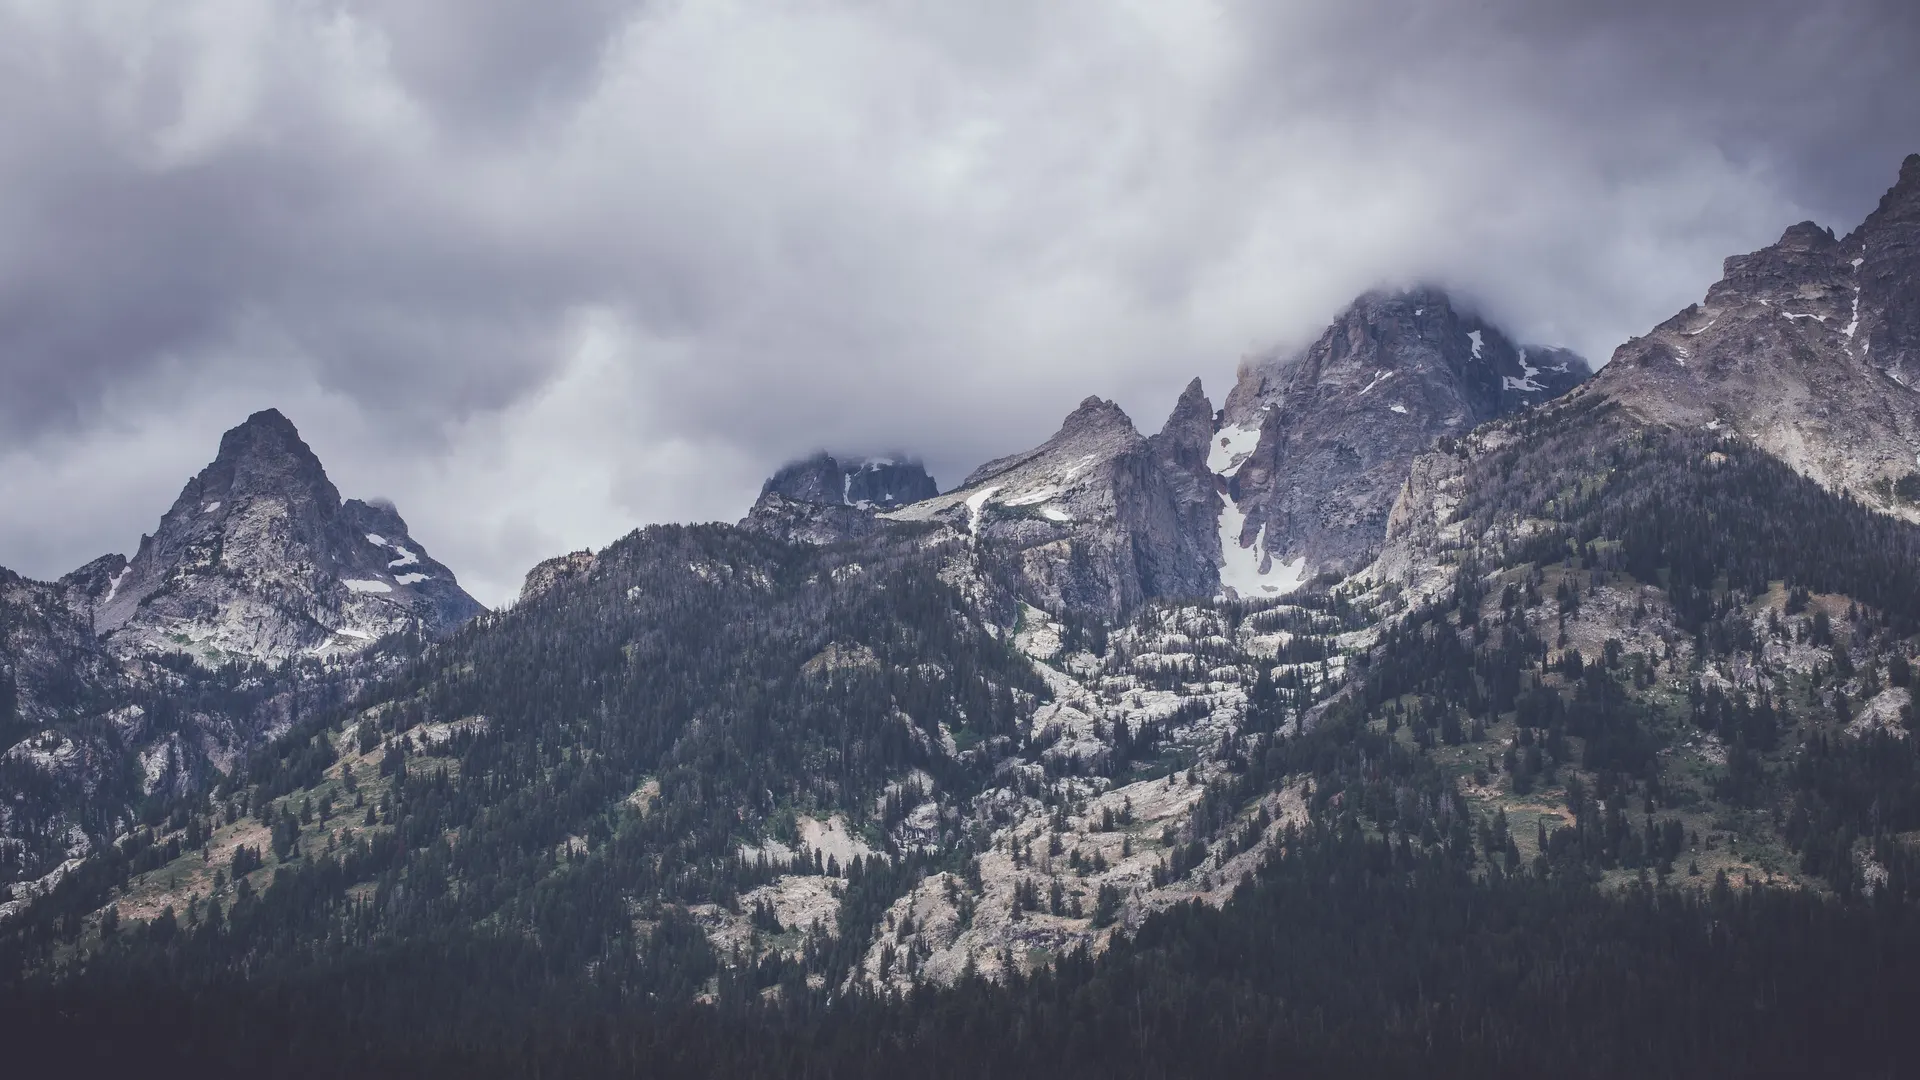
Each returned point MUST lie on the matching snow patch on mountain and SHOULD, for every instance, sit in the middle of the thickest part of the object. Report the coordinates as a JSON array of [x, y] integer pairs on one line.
[[1241, 570], [1231, 447], [977, 505]]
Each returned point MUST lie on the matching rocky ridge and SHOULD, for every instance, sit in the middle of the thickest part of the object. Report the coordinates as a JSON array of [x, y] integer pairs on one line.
[[1294, 478], [1808, 348]]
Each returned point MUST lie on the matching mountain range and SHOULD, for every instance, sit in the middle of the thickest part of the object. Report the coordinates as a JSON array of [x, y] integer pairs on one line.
[[1435, 690]]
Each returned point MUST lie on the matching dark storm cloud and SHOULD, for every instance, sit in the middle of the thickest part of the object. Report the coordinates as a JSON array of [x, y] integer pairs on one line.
[[543, 272]]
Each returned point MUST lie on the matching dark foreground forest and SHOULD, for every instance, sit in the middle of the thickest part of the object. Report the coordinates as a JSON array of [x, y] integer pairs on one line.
[[1351, 956]]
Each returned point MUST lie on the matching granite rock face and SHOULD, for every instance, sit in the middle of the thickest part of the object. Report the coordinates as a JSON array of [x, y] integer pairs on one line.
[[260, 558], [1313, 447], [1809, 347]]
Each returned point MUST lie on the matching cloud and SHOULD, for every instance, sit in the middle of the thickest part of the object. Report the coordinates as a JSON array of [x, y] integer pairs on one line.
[[541, 274]]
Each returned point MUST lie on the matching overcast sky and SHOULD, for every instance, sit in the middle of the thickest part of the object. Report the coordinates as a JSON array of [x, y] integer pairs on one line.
[[542, 273]]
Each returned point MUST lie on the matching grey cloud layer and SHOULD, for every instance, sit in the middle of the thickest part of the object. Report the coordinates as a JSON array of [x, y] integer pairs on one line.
[[544, 272]]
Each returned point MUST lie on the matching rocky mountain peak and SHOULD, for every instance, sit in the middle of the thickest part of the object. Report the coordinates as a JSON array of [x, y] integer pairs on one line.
[[1810, 347], [825, 499], [1315, 444], [1886, 278], [1806, 236], [1903, 198], [1189, 429], [1096, 427], [266, 454], [1096, 415], [260, 558], [851, 481], [1097, 518]]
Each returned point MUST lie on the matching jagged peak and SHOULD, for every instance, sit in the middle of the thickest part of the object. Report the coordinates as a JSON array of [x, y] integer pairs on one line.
[[268, 428], [1096, 426], [1901, 203], [1806, 236], [1192, 407], [265, 446], [327, 575], [1096, 413]]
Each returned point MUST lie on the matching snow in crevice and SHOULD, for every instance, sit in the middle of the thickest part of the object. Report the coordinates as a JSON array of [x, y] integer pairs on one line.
[[1702, 330], [977, 505], [407, 557], [1240, 567], [376, 540], [1854, 323], [1378, 378], [1474, 336], [366, 585], [412, 579], [210, 507], [1790, 316], [1231, 448], [1054, 513], [113, 584], [1397, 407]]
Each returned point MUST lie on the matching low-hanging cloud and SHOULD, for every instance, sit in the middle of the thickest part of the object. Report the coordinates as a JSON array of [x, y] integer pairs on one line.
[[544, 273]]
